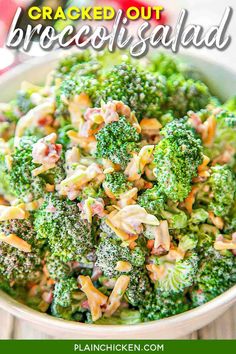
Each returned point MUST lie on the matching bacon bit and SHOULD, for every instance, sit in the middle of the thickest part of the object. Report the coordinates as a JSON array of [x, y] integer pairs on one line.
[[156, 271], [91, 207], [150, 126], [45, 121], [196, 122], [96, 299], [46, 151], [51, 209], [94, 115], [203, 169], [15, 241], [223, 244], [216, 220], [12, 212], [136, 166], [96, 273], [190, 200], [209, 130], [112, 111], [114, 300], [160, 251], [85, 304], [123, 266]]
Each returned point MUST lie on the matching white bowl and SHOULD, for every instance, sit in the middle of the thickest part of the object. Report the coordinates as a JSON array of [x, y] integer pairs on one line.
[[223, 83]]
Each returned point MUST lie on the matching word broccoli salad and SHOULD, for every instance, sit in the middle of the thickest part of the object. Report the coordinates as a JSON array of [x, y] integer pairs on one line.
[[118, 190]]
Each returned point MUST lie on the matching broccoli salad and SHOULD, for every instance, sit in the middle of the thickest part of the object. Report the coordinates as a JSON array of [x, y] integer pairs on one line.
[[117, 190]]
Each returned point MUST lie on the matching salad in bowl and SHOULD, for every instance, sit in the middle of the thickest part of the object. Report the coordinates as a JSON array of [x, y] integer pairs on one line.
[[118, 190]]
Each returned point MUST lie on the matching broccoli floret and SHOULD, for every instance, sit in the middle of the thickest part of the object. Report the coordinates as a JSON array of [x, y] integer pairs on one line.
[[226, 129], [168, 65], [223, 186], [67, 301], [199, 216], [57, 269], [230, 220], [83, 63], [16, 265], [116, 141], [225, 136], [62, 137], [110, 252], [22, 182], [153, 200], [139, 287], [188, 241], [5, 188], [185, 95], [9, 113], [63, 291], [116, 183], [142, 91], [160, 305], [216, 274], [176, 158], [24, 102], [59, 222], [71, 87], [179, 275]]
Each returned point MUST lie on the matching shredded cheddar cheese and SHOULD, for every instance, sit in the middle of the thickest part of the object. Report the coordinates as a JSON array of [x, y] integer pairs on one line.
[[117, 294], [12, 212], [15, 241], [137, 164], [96, 299], [123, 266], [216, 220]]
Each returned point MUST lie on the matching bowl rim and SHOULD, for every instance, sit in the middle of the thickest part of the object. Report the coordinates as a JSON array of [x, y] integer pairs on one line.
[[25, 312]]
